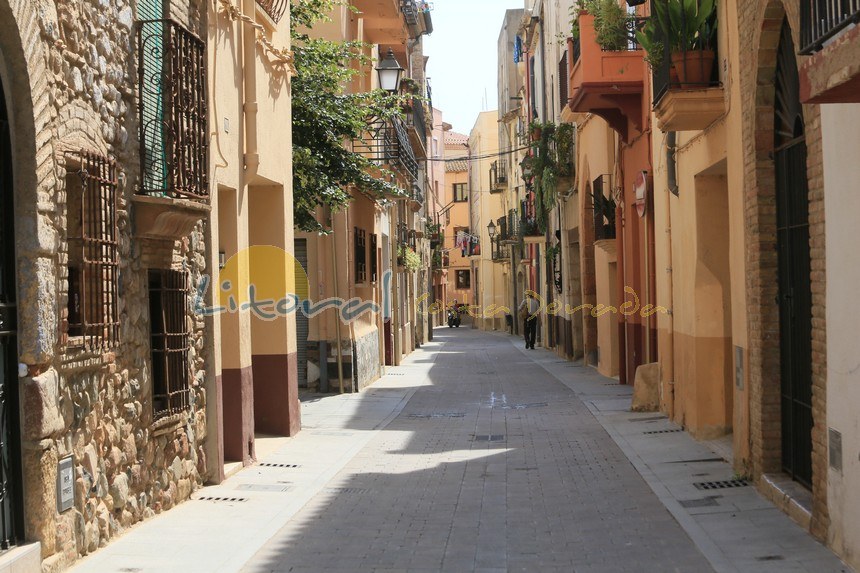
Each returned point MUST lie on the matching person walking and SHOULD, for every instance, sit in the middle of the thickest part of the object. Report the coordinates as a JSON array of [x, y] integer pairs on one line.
[[528, 312]]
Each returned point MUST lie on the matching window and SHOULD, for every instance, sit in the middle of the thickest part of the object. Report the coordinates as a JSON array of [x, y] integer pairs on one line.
[[360, 256], [93, 262], [460, 193], [170, 339], [374, 259], [464, 280]]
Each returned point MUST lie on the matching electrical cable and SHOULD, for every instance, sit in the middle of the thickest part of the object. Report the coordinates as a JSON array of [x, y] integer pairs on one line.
[[478, 157]]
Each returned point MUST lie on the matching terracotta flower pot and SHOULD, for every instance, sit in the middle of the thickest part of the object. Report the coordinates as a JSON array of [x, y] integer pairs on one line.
[[694, 68]]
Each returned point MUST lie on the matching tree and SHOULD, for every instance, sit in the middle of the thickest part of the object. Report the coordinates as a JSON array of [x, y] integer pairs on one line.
[[325, 119]]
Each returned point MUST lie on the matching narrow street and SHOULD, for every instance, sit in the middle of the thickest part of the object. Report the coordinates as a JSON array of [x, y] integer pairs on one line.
[[475, 455]]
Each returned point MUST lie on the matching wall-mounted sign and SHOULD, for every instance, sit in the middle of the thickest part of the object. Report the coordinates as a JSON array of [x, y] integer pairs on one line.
[[640, 187], [65, 484]]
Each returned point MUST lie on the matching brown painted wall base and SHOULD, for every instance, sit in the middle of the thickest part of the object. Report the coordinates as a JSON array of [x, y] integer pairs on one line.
[[276, 394], [238, 392]]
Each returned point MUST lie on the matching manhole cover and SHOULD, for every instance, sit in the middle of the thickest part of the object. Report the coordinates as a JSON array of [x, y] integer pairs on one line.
[[724, 484], [710, 501], [675, 431], [222, 498], [274, 488], [272, 465], [490, 438], [437, 415]]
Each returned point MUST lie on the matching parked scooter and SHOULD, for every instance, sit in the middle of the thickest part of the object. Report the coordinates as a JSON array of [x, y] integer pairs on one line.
[[454, 317]]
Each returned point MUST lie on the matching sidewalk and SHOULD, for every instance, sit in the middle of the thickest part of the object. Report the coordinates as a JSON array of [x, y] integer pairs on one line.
[[223, 526], [735, 528]]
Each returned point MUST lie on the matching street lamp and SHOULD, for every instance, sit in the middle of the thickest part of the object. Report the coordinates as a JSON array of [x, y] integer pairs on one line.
[[389, 71], [491, 229]]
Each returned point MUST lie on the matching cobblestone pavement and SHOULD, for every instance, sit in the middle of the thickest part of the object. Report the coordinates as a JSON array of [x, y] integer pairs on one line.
[[493, 466], [474, 455]]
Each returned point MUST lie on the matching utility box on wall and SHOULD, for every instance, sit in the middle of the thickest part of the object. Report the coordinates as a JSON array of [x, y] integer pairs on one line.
[[65, 484]]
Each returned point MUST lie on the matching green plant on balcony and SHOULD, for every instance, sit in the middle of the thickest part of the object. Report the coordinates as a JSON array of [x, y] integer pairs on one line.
[[610, 23], [689, 28], [564, 141], [650, 37], [408, 259]]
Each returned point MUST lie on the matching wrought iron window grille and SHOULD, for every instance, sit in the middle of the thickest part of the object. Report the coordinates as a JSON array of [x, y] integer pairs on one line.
[[172, 107], [360, 244], [374, 258], [170, 339], [93, 267]]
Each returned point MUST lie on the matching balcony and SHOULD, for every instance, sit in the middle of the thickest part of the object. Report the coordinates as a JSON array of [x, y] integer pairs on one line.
[[500, 252], [607, 83], [384, 22], [510, 231], [529, 229], [417, 17], [417, 123], [174, 152], [498, 176], [688, 95], [274, 9], [386, 143], [830, 35]]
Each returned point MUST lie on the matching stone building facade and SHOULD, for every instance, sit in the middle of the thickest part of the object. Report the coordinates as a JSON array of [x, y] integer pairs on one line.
[[111, 359]]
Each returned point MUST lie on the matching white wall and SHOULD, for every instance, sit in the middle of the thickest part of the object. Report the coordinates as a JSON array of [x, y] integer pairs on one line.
[[841, 146]]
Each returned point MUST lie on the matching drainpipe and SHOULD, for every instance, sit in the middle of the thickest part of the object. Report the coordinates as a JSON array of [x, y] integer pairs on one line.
[[337, 318], [249, 86], [395, 282], [670, 339]]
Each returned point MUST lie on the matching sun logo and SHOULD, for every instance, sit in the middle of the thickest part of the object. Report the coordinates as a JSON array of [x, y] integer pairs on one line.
[[262, 274]]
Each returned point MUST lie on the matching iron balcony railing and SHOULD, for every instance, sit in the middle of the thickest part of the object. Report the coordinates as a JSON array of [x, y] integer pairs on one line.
[[821, 20], [604, 209], [498, 175], [577, 49], [511, 232], [528, 220], [174, 150], [386, 143], [275, 9], [418, 119], [501, 252]]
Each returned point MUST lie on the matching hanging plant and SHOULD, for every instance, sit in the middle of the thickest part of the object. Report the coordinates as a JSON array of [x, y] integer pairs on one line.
[[564, 142]]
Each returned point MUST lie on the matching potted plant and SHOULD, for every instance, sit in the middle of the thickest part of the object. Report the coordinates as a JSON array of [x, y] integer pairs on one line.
[[610, 24], [536, 130], [689, 27], [650, 37]]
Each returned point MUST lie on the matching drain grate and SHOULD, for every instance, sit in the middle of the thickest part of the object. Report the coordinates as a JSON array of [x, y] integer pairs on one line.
[[648, 419], [274, 488], [673, 431], [524, 406], [710, 501], [724, 484], [221, 498], [271, 465], [437, 415], [490, 438], [349, 490]]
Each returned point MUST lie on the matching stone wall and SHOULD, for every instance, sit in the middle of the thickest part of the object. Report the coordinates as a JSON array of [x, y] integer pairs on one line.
[[367, 367], [80, 75]]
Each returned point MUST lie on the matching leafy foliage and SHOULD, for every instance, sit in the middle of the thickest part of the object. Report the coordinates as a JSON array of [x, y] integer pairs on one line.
[[687, 24], [325, 117]]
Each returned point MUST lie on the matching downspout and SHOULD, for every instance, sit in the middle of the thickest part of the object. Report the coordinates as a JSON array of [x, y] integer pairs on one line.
[[337, 318], [395, 283], [249, 86], [670, 339]]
